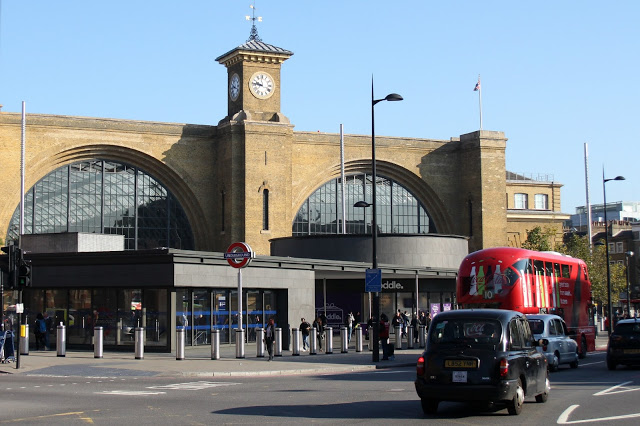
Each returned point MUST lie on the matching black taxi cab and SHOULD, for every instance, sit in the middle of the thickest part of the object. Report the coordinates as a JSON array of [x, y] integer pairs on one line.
[[624, 344], [481, 355]]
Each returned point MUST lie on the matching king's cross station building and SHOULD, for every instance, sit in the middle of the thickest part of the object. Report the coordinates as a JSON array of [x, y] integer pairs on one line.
[[126, 222]]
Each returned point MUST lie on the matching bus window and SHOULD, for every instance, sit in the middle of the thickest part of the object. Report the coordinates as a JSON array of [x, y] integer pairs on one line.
[[556, 270], [548, 268], [566, 272]]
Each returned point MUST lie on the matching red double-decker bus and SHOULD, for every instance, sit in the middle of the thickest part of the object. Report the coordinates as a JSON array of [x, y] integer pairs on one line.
[[530, 282]]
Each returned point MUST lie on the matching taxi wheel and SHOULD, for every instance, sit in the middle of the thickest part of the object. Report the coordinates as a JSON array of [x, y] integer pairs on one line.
[[515, 405], [429, 406], [554, 364], [583, 348]]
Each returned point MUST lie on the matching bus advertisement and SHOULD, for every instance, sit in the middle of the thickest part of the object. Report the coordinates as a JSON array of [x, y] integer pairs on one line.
[[530, 282]]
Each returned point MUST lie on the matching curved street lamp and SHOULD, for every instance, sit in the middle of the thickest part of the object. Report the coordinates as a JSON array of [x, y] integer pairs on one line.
[[375, 314], [606, 247], [628, 255]]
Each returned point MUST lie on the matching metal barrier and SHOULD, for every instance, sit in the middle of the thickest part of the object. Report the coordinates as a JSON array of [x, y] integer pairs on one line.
[[239, 343], [296, 335], [328, 340], [61, 340], [180, 340], [277, 344], [98, 342], [422, 336], [139, 342], [313, 341], [260, 342], [370, 334], [358, 339], [410, 338], [215, 343], [398, 336], [344, 340]]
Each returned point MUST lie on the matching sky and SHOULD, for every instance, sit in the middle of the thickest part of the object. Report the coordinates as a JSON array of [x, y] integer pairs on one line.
[[555, 74]]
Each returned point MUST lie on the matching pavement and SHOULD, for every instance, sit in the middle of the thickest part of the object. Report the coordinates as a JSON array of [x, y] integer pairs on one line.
[[198, 363]]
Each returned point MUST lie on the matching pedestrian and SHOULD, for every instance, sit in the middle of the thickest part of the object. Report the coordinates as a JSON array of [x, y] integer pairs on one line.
[[350, 321], [40, 330], [49, 322], [269, 337], [397, 321], [369, 327], [383, 334], [415, 325], [405, 323], [319, 326], [304, 329]]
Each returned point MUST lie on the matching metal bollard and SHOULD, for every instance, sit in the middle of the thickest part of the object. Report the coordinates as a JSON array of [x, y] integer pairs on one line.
[[260, 342], [313, 341], [370, 333], [61, 340], [98, 342], [344, 340], [422, 336], [328, 340], [215, 343], [295, 335], [24, 340], [139, 342], [410, 338], [358, 339], [398, 336], [180, 339], [277, 344], [239, 343]]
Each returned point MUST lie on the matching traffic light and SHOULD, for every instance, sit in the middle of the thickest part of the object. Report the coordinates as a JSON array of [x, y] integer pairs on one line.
[[24, 273], [15, 254]]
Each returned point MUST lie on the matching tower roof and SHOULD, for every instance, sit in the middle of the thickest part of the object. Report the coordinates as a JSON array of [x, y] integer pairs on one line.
[[255, 50]]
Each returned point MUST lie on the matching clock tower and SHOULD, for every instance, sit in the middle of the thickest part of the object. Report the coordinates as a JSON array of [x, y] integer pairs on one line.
[[253, 83]]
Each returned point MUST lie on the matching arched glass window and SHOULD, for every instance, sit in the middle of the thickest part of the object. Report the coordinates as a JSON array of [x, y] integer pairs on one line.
[[398, 210], [101, 196]]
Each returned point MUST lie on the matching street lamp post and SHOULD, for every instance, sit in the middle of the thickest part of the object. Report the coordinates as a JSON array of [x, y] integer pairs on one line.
[[628, 255], [375, 314], [606, 248]]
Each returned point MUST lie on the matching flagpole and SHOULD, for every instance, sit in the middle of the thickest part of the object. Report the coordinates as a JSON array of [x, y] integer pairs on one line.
[[480, 99]]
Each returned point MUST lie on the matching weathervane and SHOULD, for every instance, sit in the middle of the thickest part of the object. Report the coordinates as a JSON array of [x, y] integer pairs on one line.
[[254, 31]]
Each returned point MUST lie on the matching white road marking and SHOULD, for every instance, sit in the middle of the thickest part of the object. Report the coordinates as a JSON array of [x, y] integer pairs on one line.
[[193, 385], [130, 393], [591, 363], [612, 390], [564, 417]]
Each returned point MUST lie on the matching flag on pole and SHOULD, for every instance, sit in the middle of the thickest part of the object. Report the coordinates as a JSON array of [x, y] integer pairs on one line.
[[477, 88]]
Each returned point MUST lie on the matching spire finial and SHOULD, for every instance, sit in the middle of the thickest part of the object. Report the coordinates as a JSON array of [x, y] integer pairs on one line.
[[253, 35]]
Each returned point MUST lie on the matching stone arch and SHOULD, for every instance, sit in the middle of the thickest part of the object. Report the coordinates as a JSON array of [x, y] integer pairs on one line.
[[425, 194], [44, 164]]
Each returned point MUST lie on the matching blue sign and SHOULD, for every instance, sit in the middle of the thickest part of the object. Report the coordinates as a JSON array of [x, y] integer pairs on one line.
[[373, 280]]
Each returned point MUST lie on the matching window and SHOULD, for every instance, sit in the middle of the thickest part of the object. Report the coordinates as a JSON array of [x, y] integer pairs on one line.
[[541, 202], [612, 247], [398, 211], [265, 209], [102, 196], [521, 201], [619, 247]]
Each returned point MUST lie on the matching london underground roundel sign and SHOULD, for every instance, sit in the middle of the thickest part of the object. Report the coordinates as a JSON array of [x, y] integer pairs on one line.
[[239, 255]]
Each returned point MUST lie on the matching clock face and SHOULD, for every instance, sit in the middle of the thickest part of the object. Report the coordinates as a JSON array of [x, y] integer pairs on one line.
[[234, 87], [261, 85]]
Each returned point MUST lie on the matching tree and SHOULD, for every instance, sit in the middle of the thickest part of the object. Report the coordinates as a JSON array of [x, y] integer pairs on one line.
[[540, 240], [578, 247]]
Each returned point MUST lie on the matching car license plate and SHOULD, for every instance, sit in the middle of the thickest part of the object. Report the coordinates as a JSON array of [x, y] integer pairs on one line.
[[631, 351], [459, 377], [461, 363]]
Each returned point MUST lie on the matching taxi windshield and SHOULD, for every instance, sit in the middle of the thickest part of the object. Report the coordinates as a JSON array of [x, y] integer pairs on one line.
[[467, 331]]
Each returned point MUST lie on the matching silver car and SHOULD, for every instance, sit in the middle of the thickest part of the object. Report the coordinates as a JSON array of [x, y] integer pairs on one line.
[[561, 349]]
